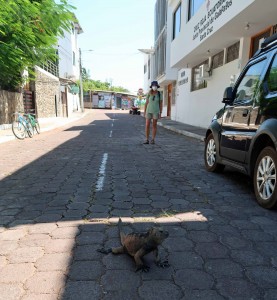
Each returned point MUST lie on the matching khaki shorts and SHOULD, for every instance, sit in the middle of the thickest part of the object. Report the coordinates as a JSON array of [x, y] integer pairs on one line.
[[152, 116]]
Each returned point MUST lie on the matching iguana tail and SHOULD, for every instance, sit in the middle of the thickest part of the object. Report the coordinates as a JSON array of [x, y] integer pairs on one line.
[[120, 231]]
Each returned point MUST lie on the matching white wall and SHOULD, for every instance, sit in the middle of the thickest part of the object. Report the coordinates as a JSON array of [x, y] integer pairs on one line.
[[197, 108]]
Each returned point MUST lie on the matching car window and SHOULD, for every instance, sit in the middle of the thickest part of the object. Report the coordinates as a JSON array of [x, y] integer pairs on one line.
[[272, 76], [249, 84]]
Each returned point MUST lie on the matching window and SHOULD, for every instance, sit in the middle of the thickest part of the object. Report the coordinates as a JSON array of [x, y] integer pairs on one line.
[[73, 58], [197, 80], [217, 60], [233, 52], [272, 77], [177, 22], [149, 68], [194, 5], [249, 84]]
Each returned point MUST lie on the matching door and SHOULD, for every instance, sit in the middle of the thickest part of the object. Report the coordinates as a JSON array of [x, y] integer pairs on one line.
[[236, 132], [64, 104], [169, 99]]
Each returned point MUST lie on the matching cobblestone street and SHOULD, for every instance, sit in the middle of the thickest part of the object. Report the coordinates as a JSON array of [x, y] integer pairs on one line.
[[61, 194]]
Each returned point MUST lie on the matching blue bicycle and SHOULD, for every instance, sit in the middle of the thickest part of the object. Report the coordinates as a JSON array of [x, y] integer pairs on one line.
[[22, 126]]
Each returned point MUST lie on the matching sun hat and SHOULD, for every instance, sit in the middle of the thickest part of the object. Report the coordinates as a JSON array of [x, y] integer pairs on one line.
[[154, 83]]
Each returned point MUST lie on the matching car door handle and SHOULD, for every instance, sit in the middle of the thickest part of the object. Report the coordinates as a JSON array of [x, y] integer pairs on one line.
[[245, 112]]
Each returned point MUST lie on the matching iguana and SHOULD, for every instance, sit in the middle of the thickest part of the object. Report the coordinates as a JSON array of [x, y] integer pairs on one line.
[[140, 244]]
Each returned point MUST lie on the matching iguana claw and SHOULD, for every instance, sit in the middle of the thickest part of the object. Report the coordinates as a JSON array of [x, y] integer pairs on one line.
[[105, 251], [143, 268], [163, 264]]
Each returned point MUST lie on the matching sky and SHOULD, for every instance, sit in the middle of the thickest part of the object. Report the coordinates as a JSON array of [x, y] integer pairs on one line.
[[115, 30]]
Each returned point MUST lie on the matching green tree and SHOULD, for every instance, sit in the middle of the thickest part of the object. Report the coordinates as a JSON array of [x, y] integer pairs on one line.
[[29, 30], [93, 85]]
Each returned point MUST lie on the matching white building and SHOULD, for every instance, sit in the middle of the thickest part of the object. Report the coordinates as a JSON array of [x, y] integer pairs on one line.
[[69, 69], [208, 42]]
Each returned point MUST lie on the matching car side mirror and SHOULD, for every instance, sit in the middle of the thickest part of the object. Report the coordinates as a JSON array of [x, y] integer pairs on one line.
[[228, 95]]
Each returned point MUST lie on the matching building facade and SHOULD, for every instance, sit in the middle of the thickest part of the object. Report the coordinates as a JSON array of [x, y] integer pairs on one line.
[[208, 44]]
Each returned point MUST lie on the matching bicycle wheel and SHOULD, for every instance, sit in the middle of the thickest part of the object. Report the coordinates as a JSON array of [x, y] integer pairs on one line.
[[30, 129], [37, 127], [18, 130]]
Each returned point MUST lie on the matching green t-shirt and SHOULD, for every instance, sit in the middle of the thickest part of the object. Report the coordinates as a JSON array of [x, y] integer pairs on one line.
[[153, 106]]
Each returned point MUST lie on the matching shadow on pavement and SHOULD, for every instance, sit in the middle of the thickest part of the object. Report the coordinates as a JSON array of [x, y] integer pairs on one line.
[[63, 203]]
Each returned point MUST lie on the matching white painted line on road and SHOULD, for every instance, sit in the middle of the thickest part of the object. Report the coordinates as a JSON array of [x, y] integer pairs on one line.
[[102, 173], [111, 133]]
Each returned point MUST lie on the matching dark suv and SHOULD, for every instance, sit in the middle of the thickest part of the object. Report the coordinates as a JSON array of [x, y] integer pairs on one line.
[[243, 134]]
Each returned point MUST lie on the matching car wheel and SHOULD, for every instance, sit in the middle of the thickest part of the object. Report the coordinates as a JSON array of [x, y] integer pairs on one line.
[[210, 155], [265, 178]]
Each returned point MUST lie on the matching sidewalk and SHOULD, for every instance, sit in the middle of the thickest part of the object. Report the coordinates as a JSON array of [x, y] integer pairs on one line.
[[46, 124], [185, 129]]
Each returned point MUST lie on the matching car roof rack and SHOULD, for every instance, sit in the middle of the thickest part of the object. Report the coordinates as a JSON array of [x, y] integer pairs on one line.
[[270, 40]]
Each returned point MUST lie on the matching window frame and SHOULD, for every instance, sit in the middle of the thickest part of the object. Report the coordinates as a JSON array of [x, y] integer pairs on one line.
[[191, 12], [274, 59], [229, 57], [193, 79], [177, 10]]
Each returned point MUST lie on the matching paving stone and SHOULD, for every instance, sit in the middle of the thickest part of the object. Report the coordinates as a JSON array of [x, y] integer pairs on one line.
[[16, 273], [65, 233], [119, 262], [86, 270], [212, 250], [120, 295], [9, 291], [264, 277], [12, 234], [234, 242], [179, 244], [88, 238], [248, 257], [202, 236], [220, 268], [54, 262], [6, 247], [88, 252], [185, 260], [237, 288], [46, 282], [159, 289], [26, 255], [40, 297], [120, 280], [194, 279], [202, 295], [59, 246]]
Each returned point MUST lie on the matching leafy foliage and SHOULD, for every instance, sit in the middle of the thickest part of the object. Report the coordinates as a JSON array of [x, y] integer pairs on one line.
[[29, 30]]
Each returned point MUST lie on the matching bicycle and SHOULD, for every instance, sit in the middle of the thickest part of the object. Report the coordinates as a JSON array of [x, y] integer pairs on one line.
[[33, 120], [21, 125]]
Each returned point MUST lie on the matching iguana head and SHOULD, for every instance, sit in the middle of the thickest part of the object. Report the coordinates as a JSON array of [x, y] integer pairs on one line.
[[158, 234]]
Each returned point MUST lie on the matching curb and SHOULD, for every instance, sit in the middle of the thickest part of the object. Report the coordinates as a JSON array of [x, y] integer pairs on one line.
[[183, 132]]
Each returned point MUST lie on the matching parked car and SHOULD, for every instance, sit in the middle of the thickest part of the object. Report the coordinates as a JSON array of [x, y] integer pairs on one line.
[[243, 134]]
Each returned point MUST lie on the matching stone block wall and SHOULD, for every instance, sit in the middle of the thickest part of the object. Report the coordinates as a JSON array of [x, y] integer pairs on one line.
[[47, 94], [10, 102]]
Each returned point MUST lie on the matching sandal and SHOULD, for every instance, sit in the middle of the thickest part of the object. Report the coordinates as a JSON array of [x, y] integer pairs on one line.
[[146, 142], [152, 142]]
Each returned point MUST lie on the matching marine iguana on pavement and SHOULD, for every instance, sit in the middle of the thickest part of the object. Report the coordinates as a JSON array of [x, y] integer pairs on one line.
[[140, 244]]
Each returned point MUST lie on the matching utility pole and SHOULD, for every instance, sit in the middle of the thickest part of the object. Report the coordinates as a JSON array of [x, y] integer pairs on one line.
[[81, 82]]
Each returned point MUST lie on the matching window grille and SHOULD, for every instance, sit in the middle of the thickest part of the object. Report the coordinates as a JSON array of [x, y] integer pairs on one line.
[[217, 60], [233, 52]]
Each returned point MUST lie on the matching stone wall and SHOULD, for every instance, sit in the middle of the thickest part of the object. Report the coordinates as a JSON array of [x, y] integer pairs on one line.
[[9, 103], [47, 95]]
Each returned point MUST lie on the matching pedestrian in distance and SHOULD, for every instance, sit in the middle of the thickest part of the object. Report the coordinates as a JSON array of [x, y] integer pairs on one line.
[[152, 111]]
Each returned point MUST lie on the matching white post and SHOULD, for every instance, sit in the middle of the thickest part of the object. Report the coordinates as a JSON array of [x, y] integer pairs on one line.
[[81, 82]]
